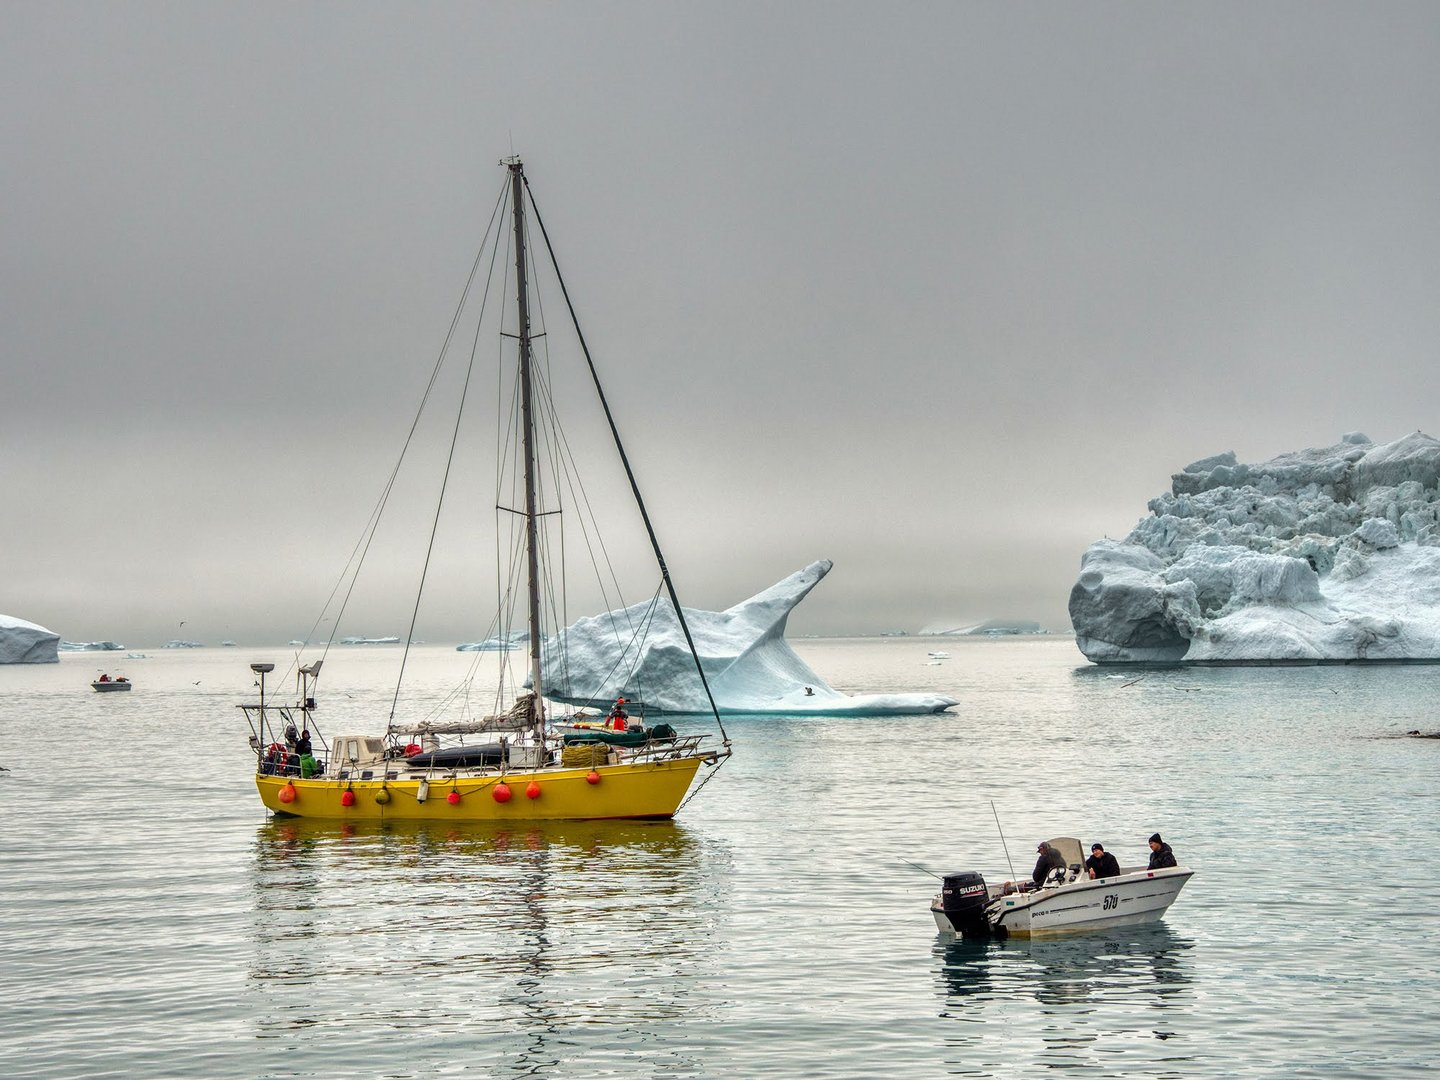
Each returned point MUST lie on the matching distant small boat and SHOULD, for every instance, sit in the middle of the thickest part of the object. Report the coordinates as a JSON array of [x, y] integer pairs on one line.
[[105, 684]]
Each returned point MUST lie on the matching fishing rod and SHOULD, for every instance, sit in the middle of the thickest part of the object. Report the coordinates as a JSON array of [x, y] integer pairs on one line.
[[922, 869], [1002, 839]]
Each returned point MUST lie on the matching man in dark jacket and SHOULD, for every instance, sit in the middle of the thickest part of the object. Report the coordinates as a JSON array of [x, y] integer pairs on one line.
[[1049, 860], [1160, 854], [1101, 863]]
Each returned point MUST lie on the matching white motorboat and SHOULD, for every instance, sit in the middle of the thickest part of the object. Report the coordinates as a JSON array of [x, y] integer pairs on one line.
[[1069, 901]]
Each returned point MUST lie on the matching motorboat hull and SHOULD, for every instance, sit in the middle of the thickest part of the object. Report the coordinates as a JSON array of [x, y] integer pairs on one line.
[[106, 687], [1132, 899], [646, 790]]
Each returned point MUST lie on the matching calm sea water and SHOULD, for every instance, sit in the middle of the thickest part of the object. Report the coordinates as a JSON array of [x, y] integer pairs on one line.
[[154, 921]]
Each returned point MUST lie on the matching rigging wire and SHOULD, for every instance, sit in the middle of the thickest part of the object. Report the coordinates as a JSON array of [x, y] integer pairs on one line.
[[454, 440], [634, 487], [357, 556]]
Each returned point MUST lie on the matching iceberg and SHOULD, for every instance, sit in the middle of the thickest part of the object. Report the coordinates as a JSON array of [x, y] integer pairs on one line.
[[988, 628], [640, 653], [91, 646], [1322, 555], [24, 642], [491, 645]]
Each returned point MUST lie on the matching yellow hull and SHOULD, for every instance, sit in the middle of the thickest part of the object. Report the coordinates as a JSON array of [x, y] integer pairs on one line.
[[643, 790]]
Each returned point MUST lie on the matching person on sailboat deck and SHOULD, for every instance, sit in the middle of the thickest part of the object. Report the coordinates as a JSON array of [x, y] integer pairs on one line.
[[618, 716], [1160, 854], [1101, 863]]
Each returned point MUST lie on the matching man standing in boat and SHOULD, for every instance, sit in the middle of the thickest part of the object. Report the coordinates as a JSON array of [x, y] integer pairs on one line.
[[618, 716], [1160, 854]]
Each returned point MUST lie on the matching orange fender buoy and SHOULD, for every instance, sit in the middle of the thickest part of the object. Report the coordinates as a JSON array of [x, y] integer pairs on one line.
[[592, 777], [532, 790], [287, 793], [500, 792]]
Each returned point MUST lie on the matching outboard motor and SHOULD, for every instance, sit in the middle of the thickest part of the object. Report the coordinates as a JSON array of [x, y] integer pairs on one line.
[[963, 898]]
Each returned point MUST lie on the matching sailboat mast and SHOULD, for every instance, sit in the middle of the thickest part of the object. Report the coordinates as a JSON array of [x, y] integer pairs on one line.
[[527, 423]]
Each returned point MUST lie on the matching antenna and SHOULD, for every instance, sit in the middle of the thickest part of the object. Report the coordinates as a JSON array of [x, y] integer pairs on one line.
[[1002, 839]]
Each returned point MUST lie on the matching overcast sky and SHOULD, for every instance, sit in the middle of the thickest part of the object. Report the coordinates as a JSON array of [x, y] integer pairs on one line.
[[943, 292]]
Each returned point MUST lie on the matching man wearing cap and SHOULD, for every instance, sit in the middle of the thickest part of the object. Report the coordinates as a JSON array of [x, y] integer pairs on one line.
[[1101, 863], [1160, 854], [1049, 860]]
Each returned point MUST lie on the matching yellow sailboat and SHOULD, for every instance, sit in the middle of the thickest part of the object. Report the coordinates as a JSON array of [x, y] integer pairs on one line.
[[527, 767]]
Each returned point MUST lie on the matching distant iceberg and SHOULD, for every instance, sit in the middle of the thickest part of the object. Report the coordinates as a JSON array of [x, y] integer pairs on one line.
[[371, 641], [24, 642], [988, 628], [1329, 554], [91, 646], [177, 644], [490, 645], [749, 665]]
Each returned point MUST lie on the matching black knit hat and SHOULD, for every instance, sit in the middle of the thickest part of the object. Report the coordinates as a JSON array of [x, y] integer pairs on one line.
[[1155, 839]]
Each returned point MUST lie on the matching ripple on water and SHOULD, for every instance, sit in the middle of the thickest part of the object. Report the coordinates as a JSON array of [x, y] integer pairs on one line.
[[155, 921]]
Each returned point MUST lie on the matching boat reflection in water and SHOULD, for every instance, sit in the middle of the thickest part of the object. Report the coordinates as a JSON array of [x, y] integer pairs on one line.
[[513, 930], [1094, 998]]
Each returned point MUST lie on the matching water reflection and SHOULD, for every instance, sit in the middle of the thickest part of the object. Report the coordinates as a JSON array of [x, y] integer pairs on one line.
[[1091, 1000], [1139, 963], [521, 925]]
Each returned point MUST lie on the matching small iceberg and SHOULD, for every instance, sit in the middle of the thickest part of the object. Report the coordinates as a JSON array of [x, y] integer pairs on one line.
[[748, 663], [490, 645]]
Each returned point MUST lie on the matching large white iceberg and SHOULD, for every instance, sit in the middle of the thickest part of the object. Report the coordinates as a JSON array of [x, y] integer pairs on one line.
[[1329, 554], [24, 642], [640, 653]]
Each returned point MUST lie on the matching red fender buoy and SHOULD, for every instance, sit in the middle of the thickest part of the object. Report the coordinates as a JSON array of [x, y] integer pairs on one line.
[[453, 798], [287, 793], [532, 790], [592, 777], [347, 798], [500, 792]]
